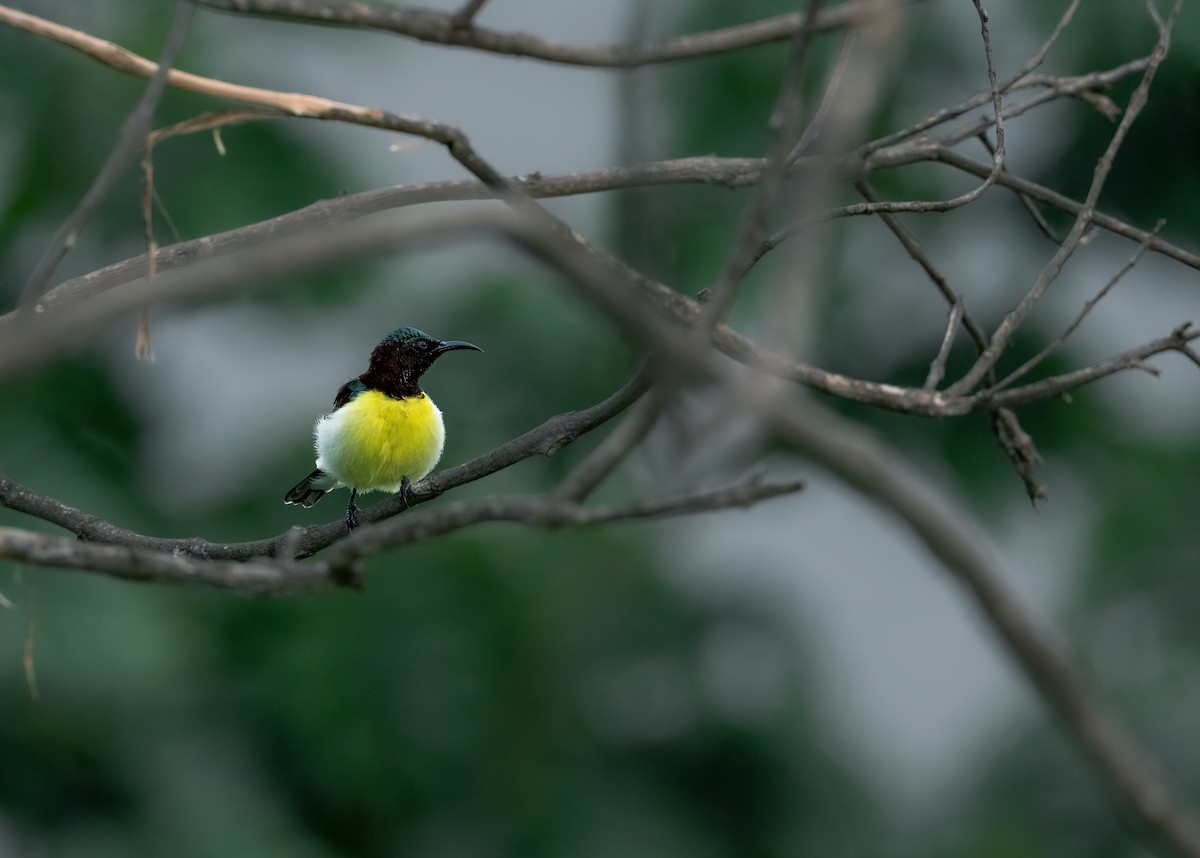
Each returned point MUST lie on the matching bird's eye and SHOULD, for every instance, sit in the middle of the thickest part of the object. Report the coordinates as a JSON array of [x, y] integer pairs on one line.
[[423, 344]]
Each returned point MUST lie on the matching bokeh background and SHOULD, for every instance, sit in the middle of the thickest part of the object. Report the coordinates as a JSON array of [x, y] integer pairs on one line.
[[796, 679]]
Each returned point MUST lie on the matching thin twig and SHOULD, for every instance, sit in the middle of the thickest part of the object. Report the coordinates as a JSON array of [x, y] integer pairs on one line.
[[290, 103], [1050, 197], [914, 249], [832, 87], [1051, 348], [592, 470], [133, 131], [1014, 441], [937, 369], [997, 123], [785, 125], [1039, 220], [212, 121], [465, 16], [1004, 332]]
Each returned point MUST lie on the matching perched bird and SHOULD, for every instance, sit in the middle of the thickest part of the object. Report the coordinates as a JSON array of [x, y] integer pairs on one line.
[[384, 432]]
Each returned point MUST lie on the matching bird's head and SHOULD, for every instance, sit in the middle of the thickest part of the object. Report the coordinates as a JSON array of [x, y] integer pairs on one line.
[[410, 352]]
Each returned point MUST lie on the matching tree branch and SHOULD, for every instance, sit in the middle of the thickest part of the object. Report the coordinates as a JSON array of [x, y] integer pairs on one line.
[[133, 133], [868, 466], [280, 576], [1004, 332], [544, 512], [150, 565], [448, 29]]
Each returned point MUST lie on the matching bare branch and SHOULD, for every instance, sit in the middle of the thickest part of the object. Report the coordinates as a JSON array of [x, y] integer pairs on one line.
[[1177, 341], [1003, 334], [785, 126], [290, 103], [149, 565], [914, 249], [868, 466], [278, 576], [1051, 348], [544, 512], [133, 132], [828, 97], [1018, 446], [589, 473], [937, 369], [1043, 194], [465, 16], [446, 29], [1053, 88]]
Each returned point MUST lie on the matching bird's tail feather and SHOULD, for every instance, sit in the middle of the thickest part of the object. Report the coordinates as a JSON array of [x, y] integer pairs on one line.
[[305, 492]]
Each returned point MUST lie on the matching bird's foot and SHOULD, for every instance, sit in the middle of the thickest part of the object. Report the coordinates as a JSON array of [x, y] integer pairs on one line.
[[352, 512], [406, 493]]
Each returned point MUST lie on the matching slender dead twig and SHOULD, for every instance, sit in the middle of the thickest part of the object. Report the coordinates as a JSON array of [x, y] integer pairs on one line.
[[133, 131], [1045, 195], [212, 121], [998, 158], [1004, 332], [785, 126], [593, 469], [465, 16], [1054, 346], [828, 96], [937, 368]]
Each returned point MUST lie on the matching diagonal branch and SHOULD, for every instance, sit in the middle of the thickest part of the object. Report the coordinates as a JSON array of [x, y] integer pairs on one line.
[[1054, 346], [290, 103], [785, 127], [544, 512], [866, 464], [133, 132]]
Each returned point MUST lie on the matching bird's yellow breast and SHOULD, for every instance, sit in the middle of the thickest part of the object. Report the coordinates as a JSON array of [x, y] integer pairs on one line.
[[374, 441]]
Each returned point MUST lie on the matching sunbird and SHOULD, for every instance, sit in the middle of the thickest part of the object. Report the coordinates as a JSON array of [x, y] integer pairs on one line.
[[384, 432]]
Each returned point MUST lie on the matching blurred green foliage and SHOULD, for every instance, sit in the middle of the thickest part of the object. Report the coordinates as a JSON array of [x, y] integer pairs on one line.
[[504, 692]]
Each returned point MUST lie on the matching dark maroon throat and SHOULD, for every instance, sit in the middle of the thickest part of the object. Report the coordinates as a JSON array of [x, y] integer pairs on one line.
[[396, 382]]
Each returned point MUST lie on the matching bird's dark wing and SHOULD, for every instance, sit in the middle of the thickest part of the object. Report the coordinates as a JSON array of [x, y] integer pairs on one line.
[[350, 389]]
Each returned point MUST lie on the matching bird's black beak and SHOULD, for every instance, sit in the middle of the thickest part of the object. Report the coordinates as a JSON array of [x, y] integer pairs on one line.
[[451, 345]]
